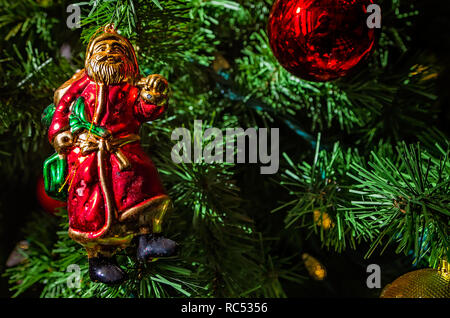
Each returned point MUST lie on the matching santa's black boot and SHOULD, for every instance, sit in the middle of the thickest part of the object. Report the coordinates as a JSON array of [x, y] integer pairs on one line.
[[105, 270], [155, 246]]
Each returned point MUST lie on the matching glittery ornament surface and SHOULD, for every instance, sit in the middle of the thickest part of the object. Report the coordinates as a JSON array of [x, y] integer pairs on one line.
[[320, 40], [423, 283]]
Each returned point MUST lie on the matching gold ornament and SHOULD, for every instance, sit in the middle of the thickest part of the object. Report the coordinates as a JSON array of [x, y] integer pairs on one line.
[[323, 219], [315, 269], [422, 283]]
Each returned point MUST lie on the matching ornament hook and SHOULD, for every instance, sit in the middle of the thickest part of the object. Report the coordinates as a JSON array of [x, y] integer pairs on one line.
[[109, 28]]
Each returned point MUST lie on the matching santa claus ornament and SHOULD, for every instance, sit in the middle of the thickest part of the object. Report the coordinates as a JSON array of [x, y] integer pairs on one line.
[[320, 40], [113, 190]]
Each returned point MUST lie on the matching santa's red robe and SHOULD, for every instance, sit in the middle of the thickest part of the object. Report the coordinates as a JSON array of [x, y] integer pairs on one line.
[[101, 194]]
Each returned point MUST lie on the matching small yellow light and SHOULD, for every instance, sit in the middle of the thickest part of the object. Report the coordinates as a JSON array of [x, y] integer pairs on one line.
[[315, 269], [323, 219]]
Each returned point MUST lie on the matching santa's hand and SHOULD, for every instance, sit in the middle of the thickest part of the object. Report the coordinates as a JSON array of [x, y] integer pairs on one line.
[[63, 142], [154, 89]]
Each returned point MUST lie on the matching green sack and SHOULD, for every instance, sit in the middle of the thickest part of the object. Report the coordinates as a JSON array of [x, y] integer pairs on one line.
[[54, 167], [54, 177], [47, 115]]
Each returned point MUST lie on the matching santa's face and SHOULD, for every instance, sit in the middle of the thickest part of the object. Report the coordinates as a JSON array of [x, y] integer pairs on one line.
[[109, 63]]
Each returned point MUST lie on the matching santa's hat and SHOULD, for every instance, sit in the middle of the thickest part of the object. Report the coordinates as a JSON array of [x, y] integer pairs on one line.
[[109, 33]]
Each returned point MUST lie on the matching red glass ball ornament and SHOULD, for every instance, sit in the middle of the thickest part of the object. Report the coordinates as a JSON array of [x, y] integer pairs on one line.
[[320, 40], [49, 204]]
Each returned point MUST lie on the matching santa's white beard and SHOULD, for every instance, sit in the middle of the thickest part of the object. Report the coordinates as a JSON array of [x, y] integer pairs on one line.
[[109, 73]]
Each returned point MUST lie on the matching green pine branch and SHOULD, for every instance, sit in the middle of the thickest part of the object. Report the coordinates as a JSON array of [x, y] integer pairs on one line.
[[407, 201], [317, 192]]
